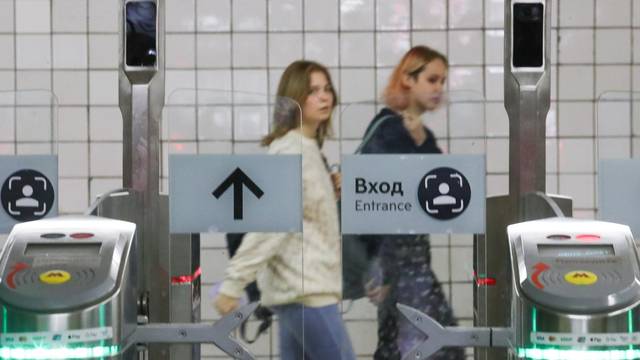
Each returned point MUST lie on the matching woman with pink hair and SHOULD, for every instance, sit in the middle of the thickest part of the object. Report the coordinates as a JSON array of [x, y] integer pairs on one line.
[[415, 87]]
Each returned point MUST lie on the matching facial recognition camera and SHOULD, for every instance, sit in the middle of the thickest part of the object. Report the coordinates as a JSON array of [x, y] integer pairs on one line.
[[141, 48], [528, 34]]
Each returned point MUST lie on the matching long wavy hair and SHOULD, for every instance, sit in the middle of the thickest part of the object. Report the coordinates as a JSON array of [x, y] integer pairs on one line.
[[295, 84], [395, 95]]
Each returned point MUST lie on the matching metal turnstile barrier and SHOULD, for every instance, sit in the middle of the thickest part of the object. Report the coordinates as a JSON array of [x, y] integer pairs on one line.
[[575, 295], [69, 291]]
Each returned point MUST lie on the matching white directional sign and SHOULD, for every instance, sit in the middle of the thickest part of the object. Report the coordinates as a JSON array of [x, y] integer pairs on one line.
[[413, 194], [235, 193], [29, 189]]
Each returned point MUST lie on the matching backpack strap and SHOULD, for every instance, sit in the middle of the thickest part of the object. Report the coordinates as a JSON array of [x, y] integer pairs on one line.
[[371, 131]]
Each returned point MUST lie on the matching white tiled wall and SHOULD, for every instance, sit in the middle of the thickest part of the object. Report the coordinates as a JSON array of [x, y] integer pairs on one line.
[[71, 48]]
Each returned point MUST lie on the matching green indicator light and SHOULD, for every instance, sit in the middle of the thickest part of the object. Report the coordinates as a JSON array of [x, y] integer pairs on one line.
[[103, 319], [58, 353], [630, 322], [102, 315], [5, 313], [556, 354]]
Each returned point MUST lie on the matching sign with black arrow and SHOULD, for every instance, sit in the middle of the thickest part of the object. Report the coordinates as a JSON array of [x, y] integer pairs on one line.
[[235, 193], [238, 179]]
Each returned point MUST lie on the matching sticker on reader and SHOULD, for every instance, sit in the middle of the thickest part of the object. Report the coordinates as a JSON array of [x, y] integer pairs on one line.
[[581, 277], [57, 337], [55, 277]]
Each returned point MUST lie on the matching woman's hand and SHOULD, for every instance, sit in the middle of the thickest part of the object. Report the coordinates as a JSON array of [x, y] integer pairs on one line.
[[336, 178], [377, 294], [225, 304]]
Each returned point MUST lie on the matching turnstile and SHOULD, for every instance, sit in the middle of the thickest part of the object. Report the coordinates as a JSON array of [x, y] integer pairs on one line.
[[575, 295], [69, 291], [576, 290]]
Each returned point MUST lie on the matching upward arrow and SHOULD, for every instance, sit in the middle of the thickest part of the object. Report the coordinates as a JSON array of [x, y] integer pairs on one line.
[[238, 179]]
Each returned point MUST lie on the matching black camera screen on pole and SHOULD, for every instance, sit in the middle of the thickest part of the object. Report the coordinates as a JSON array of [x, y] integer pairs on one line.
[[141, 29], [528, 33]]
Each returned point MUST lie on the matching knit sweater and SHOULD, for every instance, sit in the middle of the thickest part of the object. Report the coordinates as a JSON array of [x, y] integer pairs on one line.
[[292, 267]]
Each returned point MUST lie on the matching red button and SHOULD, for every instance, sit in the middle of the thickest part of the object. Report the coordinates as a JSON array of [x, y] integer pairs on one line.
[[81, 235], [588, 237]]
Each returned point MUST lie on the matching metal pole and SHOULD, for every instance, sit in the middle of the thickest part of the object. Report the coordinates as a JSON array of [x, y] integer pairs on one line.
[[527, 97], [141, 102]]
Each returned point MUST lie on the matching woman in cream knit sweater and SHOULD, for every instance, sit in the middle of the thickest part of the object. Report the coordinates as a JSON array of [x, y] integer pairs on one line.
[[299, 275]]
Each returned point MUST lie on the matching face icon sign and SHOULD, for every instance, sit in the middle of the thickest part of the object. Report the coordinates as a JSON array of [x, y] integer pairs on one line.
[[27, 195], [444, 193]]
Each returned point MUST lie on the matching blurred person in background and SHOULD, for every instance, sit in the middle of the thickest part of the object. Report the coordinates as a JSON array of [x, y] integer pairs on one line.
[[405, 275]]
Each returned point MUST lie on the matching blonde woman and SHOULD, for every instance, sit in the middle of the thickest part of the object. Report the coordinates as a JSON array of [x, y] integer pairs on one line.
[[304, 294]]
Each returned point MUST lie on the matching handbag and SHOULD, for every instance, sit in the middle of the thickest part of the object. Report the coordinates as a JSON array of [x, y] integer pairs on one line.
[[360, 266], [262, 313]]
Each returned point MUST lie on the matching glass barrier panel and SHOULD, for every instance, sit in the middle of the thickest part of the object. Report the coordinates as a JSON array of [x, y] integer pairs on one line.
[[237, 158], [406, 177], [617, 167]]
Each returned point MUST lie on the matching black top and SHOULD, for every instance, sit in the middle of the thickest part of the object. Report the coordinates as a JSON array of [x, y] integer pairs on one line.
[[391, 137]]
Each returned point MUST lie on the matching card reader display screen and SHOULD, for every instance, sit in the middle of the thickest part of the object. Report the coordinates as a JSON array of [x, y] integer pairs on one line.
[[575, 251], [528, 36], [62, 250], [141, 33]]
